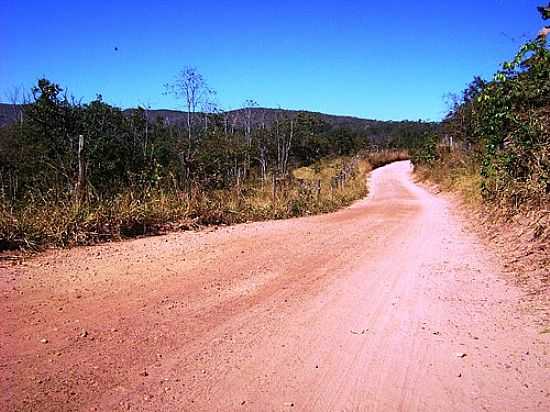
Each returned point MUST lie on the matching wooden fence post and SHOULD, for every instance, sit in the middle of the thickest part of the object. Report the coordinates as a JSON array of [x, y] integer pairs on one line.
[[82, 183], [318, 189]]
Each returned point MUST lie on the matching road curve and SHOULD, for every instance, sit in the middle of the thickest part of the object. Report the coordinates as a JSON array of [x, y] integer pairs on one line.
[[390, 304]]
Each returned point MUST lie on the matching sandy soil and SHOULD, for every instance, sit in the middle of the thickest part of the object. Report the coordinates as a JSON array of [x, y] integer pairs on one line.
[[388, 305]]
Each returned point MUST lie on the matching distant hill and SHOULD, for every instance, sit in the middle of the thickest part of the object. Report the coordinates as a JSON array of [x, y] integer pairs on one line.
[[377, 130], [9, 113], [267, 116]]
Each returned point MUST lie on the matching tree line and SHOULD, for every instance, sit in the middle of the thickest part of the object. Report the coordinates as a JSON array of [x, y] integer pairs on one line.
[[60, 146], [501, 128]]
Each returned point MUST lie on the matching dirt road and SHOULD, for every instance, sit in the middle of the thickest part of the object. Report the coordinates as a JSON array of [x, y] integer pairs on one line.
[[388, 305]]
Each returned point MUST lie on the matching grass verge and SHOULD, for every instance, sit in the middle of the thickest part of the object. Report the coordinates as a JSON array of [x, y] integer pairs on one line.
[[319, 188]]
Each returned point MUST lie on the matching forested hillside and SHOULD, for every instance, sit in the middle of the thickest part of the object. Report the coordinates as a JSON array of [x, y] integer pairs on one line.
[[379, 132]]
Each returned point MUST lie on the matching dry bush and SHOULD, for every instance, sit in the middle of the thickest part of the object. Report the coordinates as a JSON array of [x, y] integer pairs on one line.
[[383, 157], [454, 171], [323, 187]]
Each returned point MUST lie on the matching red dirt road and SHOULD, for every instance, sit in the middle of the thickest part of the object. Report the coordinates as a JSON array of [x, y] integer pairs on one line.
[[388, 305]]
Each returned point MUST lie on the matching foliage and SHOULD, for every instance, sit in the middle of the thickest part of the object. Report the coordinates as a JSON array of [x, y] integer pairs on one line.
[[502, 126], [512, 122], [425, 151], [141, 174]]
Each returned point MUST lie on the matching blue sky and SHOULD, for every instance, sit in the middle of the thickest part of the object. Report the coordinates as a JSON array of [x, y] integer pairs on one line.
[[375, 59]]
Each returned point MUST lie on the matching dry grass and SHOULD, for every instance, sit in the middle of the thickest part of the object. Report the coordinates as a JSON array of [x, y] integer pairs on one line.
[[521, 234], [383, 157], [454, 172], [320, 188]]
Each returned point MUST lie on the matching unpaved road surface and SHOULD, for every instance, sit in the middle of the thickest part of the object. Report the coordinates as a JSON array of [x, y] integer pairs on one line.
[[388, 305]]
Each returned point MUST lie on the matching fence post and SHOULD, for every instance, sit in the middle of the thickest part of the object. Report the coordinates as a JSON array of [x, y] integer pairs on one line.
[[318, 189], [81, 184]]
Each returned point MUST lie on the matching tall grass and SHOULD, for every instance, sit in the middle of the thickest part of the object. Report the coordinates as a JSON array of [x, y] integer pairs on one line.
[[454, 171], [320, 188], [459, 172]]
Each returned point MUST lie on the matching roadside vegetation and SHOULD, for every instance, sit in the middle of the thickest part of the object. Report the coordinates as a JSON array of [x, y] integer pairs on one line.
[[494, 145], [325, 187], [73, 173]]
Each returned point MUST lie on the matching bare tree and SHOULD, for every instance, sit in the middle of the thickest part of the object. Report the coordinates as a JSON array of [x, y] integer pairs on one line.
[[209, 106], [263, 151], [234, 118], [146, 106], [284, 134], [249, 107], [190, 86], [17, 97], [263, 145]]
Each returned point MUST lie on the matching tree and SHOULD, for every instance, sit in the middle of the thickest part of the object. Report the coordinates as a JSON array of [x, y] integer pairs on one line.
[[190, 86], [17, 97], [52, 131], [544, 11], [284, 134], [249, 108], [545, 14], [209, 107], [310, 136]]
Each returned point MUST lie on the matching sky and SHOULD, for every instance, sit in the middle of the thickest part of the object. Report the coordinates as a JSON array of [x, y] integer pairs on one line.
[[388, 60]]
